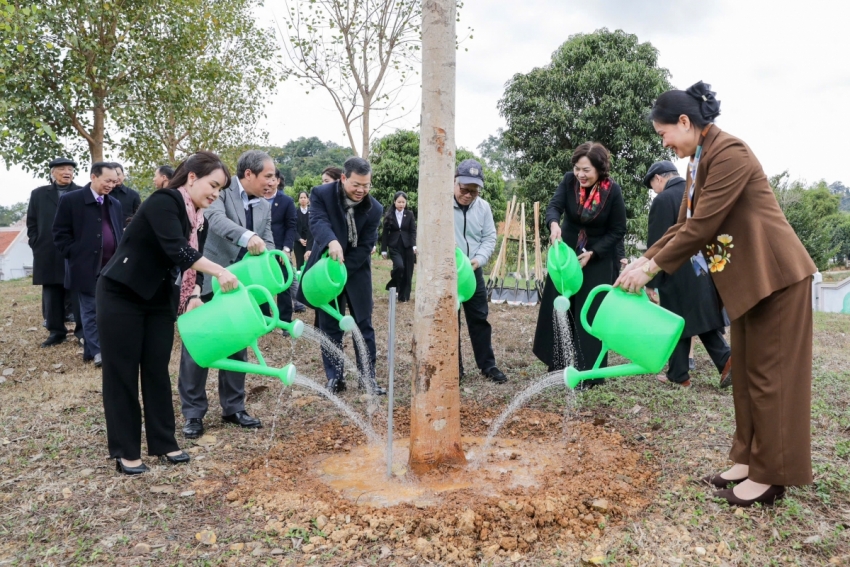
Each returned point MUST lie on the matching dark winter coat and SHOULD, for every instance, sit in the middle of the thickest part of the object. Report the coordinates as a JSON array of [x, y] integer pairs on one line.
[[77, 235], [683, 292], [130, 201], [284, 221], [327, 223], [400, 237], [48, 264]]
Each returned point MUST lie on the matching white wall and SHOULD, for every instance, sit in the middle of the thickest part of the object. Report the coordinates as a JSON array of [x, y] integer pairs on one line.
[[17, 262], [830, 297]]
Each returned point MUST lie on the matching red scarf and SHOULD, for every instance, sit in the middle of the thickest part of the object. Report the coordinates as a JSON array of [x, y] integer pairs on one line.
[[196, 220], [592, 201]]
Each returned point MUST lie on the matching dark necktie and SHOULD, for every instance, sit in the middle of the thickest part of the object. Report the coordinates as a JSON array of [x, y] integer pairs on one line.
[[249, 218]]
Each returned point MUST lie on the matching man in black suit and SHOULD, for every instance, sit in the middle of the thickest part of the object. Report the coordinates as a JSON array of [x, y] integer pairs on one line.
[[344, 220], [162, 176], [48, 264], [283, 230], [88, 226], [691, 296], [129, 198]]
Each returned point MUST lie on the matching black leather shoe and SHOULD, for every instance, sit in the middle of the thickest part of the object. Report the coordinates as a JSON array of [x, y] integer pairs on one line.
[[183, 457], [335, 386], [193, 428], [242, 419], [53, 340], [122, 468], [299, 308], [496, 375]]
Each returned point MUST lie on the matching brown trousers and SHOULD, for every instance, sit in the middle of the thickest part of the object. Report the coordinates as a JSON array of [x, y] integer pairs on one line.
[[772, 387]]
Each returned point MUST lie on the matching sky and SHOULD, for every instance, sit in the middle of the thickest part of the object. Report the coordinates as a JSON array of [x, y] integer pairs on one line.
[[779, 69]]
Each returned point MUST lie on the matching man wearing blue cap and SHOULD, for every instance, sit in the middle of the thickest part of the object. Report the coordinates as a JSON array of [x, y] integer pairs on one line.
[[684, 292], [475, 234]]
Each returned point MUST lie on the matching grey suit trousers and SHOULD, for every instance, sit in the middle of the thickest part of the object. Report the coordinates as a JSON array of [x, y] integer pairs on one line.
[[192, 385]]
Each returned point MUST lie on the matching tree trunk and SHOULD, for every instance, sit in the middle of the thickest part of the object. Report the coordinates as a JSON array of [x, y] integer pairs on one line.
[[97, 132], [367, 108], [435, 404]]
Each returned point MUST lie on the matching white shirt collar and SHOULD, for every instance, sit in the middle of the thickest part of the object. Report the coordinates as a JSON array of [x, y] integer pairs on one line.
[[303, 210], [246, 198], [96, 194]]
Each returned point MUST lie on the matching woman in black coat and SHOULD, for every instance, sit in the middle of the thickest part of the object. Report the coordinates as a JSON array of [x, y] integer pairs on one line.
[[594, 221], [303, 240], [137, 303], [398, 236]]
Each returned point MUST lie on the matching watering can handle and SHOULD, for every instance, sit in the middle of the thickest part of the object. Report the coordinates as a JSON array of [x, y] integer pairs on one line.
[[271, 302], [587, 303], [282, 255]]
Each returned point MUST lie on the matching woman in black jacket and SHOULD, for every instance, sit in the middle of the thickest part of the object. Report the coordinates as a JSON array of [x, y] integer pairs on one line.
[[398, 235], [304, 240], [137, 303], [594, 214]]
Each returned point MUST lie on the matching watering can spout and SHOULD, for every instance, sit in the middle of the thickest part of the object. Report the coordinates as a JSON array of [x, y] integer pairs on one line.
[[286, 374], [573, 377], [295, 328]]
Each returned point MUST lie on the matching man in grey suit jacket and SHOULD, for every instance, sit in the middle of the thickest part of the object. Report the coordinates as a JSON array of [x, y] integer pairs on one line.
[[239, 223]]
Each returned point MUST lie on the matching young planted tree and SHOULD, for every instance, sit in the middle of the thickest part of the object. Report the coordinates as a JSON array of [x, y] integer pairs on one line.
[[435, 404]]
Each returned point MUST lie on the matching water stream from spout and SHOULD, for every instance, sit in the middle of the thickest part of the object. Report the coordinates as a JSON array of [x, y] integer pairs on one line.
[[305, 382]]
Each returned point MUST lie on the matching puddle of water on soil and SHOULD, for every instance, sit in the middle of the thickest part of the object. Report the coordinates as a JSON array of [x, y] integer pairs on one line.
[[360, 475]]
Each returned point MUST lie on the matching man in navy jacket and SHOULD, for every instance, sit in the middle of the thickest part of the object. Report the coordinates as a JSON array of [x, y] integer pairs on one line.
[[344, 221], [86, 231], [284, 230]]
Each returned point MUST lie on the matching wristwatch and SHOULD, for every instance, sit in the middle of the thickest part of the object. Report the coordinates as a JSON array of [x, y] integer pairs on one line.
[[645, 270]]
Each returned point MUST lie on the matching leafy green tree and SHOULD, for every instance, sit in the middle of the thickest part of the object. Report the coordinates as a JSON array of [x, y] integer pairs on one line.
[[813, 214], [303, 183], [12, 214], [597, 87], [307, 157], [496, 153], [395, 167], [149, 78]]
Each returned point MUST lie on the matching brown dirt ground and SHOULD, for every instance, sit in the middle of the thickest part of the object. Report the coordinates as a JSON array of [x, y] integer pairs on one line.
[[252, 498]]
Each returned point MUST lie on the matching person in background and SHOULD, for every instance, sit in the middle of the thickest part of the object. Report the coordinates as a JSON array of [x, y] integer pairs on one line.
[[594, 221], [344, 221], [162, 176], [398, 236], [48, 263], [331, 174], [730, 218], [686, 294], [239, 223], [283, 231], [303, 244], [129, 198], [87, 229], [155, 273], [475, 235]]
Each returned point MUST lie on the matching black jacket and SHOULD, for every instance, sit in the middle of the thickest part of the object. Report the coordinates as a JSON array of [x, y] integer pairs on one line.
[[130, 201], [155, 247], [283, 221], [302, 227], [48, 264], [683, 292], [77, 235], [327, 223], [603, 232], [394, 236]]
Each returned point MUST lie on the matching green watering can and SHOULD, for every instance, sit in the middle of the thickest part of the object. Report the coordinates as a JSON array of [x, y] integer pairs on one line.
[[265, 271], [632, 326], [322, 284], [466, 284], [227, 324], [565, 271]]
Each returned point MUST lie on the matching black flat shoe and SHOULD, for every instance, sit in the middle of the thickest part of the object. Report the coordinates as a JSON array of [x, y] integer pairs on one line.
[[122, 468], [53, 340], [768, 497], [496, 375], [183, 457], [718, 481], [242, 419], [336, 386], [193, 428]]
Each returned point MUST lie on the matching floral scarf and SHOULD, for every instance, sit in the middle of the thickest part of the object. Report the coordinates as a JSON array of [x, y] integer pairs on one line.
[[590, 203], [196, 220]]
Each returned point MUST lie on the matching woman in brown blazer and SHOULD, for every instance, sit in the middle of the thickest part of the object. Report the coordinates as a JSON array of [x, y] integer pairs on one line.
[[731, 228]]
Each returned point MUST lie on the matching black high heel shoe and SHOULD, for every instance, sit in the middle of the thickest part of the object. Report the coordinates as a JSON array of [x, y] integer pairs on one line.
[[122, 468], [183, 457]]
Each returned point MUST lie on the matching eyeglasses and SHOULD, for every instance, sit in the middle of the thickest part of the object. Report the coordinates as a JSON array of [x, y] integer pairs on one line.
[[365, 187], [465, 191]]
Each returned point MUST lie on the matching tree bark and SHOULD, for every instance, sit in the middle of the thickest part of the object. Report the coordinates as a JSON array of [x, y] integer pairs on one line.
[[435, 405]]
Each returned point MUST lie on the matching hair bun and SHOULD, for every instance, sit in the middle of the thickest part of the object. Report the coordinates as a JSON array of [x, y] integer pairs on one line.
[[709, 106]]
